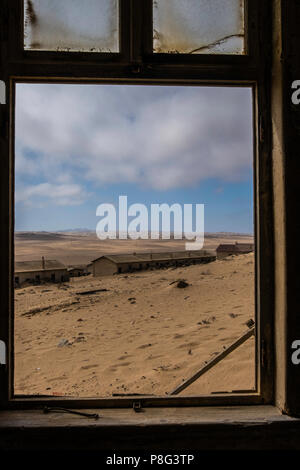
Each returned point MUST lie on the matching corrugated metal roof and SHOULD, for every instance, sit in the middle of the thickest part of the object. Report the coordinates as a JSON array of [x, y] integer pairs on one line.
[[80, 267], [37, 265], [162, 256], [236, 248], [224, 247]]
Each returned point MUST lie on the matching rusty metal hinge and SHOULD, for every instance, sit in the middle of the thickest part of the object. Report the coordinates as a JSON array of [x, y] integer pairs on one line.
[[137, 406]]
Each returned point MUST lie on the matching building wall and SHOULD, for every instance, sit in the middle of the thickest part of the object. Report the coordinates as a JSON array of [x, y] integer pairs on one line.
[[224, 254], [90, 268], [52, 276], [104, 267], [76, 272]]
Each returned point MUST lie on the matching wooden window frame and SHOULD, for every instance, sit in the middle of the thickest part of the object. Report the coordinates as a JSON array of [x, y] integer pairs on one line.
[[135, 64]]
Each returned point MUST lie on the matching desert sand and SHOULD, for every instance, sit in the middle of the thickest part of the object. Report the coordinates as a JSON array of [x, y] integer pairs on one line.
[[73, 248], [141, 333]]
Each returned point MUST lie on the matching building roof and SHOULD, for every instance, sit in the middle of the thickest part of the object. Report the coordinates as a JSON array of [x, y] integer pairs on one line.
[[80, 268], [162, 256], [226, 247], [37, 265], [236, 248]]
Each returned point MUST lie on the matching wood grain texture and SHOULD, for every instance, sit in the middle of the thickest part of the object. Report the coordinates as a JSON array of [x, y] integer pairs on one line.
[[261, 427]]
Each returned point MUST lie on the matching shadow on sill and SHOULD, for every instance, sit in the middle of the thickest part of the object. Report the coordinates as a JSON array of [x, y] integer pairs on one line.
[[202, 428]]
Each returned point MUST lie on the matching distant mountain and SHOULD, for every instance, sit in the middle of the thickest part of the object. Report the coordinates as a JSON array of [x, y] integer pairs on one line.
[[76, 230], [43, 235], [38, 235]]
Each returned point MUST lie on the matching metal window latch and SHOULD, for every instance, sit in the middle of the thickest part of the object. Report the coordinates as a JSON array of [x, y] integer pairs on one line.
[[55, 409], [137, 407], [136, 68]]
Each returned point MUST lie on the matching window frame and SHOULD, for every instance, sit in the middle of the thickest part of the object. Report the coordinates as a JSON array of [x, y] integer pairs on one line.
[[134, 65]]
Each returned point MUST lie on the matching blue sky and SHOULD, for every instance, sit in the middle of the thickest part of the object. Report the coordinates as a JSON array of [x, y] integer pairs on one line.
[[81, 145]]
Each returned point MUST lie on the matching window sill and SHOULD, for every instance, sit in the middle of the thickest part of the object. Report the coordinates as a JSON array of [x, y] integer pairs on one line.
[[246, 427]]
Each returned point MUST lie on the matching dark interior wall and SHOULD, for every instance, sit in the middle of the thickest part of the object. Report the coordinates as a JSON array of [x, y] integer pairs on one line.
[[286, 145], [291, 114]]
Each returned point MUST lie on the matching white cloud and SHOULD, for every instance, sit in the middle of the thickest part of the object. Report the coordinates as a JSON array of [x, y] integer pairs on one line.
[[43, 193], [156, 137]]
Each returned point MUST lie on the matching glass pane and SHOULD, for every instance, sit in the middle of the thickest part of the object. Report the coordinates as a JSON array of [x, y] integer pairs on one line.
[[71, 25], [198, 26], [145, 308]]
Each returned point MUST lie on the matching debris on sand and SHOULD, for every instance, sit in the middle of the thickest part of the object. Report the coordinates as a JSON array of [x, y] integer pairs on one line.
[[64, 342], [63, 286], [233, 315], [205, 273], [48, 308], [250, 323], [207, 321], [180, 283], [80, 339], [94, 291]]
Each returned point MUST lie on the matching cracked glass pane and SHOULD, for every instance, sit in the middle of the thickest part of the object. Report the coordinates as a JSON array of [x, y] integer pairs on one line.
[[71, 25], [198, 26]]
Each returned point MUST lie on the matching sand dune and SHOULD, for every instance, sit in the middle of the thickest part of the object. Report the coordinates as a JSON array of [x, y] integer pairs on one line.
[[142, 335]]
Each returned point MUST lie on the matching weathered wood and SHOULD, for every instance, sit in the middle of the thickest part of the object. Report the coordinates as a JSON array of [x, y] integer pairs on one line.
[[94, 291], [286, 166], [125, 416], [30, 402], [214, 361], [211, 428]]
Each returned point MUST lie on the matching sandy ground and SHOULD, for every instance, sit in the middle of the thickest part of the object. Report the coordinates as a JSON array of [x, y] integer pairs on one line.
[[73, 248], [141, 335]]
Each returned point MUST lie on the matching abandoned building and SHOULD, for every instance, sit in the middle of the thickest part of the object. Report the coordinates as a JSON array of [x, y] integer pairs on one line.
[[89, 268], [226, 249], [40, 270], [107, 265], [77, 271]]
